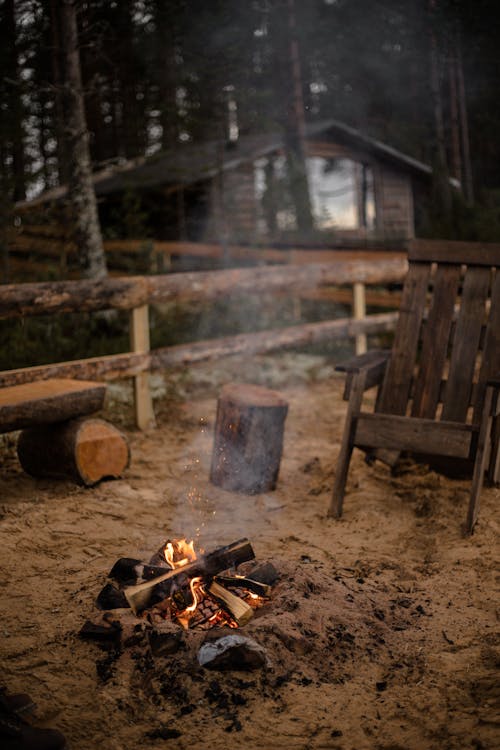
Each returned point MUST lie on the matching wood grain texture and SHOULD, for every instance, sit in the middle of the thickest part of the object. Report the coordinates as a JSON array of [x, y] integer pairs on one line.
[[48, 401], [435, 341]]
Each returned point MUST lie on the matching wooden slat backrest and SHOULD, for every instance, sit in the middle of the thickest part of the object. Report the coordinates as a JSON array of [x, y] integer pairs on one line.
[[490, 363], [447, 317], [466, 343], [435, 340], [450, 251], [398, 378]]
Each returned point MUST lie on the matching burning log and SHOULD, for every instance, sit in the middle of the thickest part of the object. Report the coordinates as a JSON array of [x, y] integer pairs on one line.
[[261, 589], [248, 438], [129, 570], [240, 611], [264, 573], [215, 562], [85, 450]]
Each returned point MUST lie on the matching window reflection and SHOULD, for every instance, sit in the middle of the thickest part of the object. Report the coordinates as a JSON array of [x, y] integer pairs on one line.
[[341, 192]]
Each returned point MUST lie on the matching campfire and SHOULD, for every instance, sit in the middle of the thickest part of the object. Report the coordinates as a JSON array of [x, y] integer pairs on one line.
[[194, 590]]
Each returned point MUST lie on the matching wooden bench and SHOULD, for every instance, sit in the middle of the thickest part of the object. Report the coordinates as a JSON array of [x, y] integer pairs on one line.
[[58, 438]]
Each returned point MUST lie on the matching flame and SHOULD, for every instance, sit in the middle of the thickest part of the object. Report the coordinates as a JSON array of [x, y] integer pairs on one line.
[[179, 552], [197, 593]]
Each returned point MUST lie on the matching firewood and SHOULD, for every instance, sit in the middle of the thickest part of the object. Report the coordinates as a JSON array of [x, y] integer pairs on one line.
[[85, 450], [248, 438], [215, 562], [240, 611], [261, 589], [264, 573], [129, 570], [111, 598]]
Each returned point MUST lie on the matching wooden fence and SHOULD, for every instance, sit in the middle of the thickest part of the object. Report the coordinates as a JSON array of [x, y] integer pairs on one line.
[[136, 293], [33, 249]]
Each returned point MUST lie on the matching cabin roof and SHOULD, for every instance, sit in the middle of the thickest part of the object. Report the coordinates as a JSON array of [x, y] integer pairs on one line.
[[198, 162]]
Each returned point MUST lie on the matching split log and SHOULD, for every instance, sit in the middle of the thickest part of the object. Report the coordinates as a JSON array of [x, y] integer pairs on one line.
[[84, 450], [264, 573], [129, 570], [48, 401], [240, 611], [214, 562], [261, 589], [248, 438]]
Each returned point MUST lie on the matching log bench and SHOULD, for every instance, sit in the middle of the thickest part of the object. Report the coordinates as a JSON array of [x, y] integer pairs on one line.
[[58, 439]]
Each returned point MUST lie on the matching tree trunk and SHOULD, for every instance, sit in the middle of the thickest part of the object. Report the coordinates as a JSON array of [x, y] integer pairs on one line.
[[87, 232], [84, 450], [456, 158], [464, 123], [288, 87], [57, 80], [296, 132], [15, 106], [440, 162], [165, 40]]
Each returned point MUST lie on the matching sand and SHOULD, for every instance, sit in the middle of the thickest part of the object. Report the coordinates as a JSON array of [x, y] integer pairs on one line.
[[381, 633]]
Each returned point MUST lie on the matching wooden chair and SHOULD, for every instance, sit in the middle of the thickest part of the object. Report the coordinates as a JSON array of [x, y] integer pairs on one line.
[[438, 387]]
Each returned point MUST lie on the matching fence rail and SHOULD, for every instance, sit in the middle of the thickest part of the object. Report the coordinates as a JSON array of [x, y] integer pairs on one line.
[[135, 294]]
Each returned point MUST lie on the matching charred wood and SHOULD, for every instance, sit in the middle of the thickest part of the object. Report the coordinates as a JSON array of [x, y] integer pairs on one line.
[[264, 573], [129, 570], [111, 598], [241, 582], [215, 562]]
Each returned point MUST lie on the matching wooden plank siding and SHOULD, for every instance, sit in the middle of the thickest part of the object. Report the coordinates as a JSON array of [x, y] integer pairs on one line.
[[394, 200]]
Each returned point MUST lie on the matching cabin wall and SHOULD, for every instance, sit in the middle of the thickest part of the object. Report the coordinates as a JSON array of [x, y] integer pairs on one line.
[[234, 213], [394, 203], [232, 206]]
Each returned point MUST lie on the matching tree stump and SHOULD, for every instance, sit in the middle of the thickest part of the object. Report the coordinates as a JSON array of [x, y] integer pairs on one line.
[[84, 450], [248, 438]]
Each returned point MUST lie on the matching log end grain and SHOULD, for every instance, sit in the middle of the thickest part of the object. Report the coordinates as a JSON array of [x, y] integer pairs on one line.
[[248, 395], [101, 451], [84, 450]]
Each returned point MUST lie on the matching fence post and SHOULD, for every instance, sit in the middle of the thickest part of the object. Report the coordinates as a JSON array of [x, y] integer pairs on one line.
[[139, 341], [359, 312]]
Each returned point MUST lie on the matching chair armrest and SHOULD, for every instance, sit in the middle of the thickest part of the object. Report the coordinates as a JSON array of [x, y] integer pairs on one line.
[[493, 381], [373, 363]]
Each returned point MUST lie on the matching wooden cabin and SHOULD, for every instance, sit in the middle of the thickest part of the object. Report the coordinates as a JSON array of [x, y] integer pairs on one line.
[[361, 191]]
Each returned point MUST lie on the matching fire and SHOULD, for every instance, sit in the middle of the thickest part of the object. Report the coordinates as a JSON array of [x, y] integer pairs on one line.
[[179, 553], [206, 609], [197, 593]]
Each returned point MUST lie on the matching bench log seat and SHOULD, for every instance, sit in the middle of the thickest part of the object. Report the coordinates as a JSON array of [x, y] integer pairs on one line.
[[57, 438], [48, 401]]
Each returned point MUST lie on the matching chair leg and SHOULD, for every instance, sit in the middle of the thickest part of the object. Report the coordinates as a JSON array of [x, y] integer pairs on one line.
[[480, 461], [494, 466], [347, 445]]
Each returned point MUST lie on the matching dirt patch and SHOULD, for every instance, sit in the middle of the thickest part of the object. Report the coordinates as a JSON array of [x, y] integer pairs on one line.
[[382, 632]]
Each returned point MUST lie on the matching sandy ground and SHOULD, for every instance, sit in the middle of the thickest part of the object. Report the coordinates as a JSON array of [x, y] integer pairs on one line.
[[382, 632]]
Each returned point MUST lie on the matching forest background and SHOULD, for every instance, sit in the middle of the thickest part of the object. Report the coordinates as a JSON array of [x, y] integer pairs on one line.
[[420, 75]]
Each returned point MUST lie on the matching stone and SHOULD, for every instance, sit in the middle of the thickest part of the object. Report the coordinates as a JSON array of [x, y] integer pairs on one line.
[[232, 652]]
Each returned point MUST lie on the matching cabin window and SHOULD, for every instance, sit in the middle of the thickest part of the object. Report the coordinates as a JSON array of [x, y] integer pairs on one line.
[[341, 191]]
